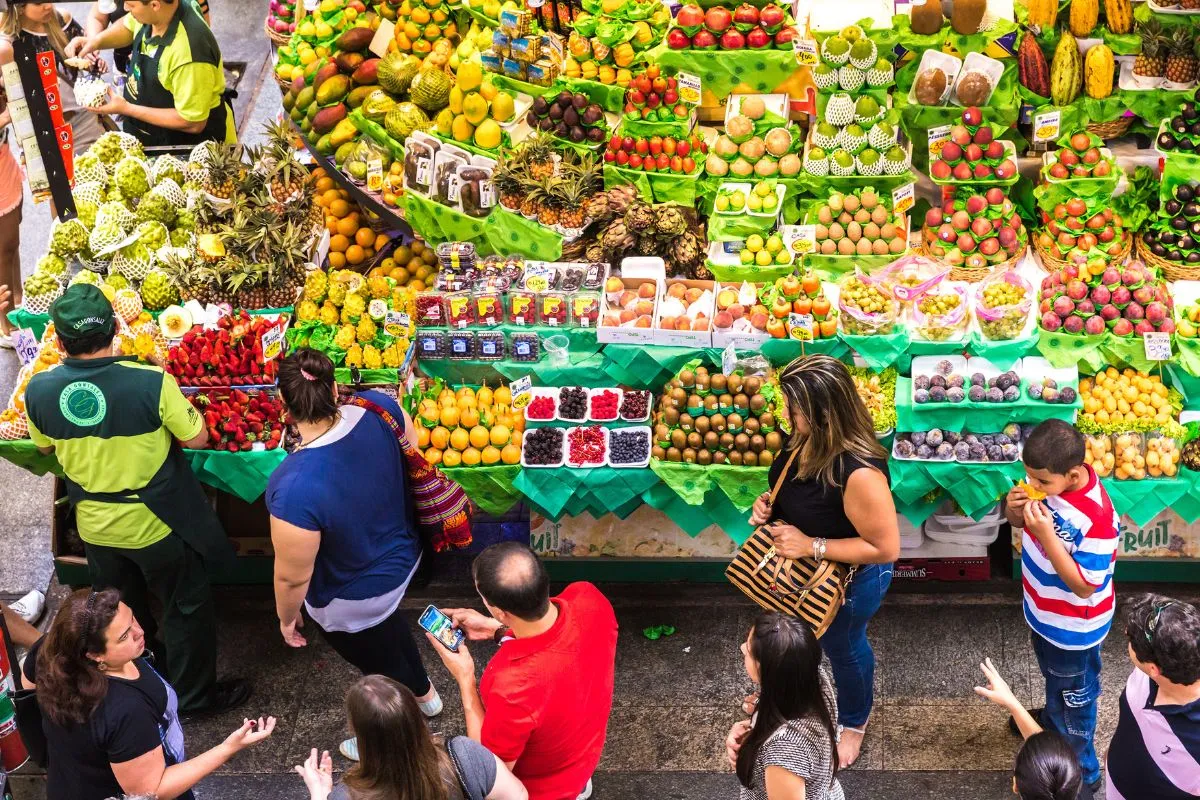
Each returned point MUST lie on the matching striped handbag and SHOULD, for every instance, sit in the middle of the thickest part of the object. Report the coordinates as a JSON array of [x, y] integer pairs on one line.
[[810, 590], [443, 511]]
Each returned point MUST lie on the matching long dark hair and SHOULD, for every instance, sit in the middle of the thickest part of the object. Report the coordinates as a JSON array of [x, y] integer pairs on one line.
[[306, 383], [1047, 768], [69, 684], [399, 760], [789, 681]]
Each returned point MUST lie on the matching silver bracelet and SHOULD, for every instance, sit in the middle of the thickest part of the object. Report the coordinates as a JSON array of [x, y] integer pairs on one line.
[[819, 549]]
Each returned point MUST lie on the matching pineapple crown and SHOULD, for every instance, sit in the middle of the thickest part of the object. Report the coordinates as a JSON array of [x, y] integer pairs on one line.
[[1182, 43]]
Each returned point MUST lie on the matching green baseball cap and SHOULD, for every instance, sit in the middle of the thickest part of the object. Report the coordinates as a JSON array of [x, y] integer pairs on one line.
[[81, 311]]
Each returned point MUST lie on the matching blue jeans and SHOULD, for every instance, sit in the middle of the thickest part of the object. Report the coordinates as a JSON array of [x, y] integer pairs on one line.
[[1072, 692], [845, 642]]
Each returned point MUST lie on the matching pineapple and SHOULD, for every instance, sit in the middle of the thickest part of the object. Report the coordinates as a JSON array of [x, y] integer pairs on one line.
[[549, 201], [1182, 61], [1151, 62], [506, 177], [538, 155], [288, 177], [224, 171], [530, 203]]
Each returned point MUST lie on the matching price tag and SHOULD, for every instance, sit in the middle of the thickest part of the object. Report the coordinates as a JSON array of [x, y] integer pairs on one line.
[[396, 323], [423, 172], [538, 275], [375, 175], [937, 139], [800, 239], [384, 35], [1046, 126], [689, 88], [1157, 345], [728, 359], [806, 52], [322, 247], [903, 198], [522, 392], [801, 326], [26, 345], [272, 342]]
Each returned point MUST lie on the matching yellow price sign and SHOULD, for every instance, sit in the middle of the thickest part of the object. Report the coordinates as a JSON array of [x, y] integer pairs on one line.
[[1046, 126], [522, 392]]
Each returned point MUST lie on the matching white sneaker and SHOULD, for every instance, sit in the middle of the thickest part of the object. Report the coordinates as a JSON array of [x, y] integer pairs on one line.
[[432, 707], [587, 791], [349, 748], [30, 607], [6, 342]]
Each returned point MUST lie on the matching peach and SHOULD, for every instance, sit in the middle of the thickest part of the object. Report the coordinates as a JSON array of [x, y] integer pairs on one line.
[[627, 299], [758, 319], [641, 322], [723, 320], [644, 308], [737, 310], [647, 289], [612, 320], [668, 323], [676, 290], [726, 298], [692, 295], [613, 284], [627, 315]]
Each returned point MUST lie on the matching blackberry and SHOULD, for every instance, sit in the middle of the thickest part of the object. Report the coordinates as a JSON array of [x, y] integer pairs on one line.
[[544, 446], [572, 402]]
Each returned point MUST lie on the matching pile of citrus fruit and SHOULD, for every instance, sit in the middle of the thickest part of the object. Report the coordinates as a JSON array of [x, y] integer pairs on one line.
[[352, 241], [469, 427], [412, 265]]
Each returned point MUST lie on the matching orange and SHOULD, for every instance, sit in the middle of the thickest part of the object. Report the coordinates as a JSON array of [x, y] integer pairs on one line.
[[511, 454], [381, 241], [451, 458], [369, 253], [479, 436], [500, 435], [331, 223], [416, 286], [324, 184], [402, 254], [377, 272], [468, 418], [433, 456], [417, 247], [439, 437], [355, 254], [348, 226], [491, 455], [460, 439], [336, 260], [422, 436], [450, 416], [470, 457], [399, 275], [364, 237], [329, 196], [338, 243]]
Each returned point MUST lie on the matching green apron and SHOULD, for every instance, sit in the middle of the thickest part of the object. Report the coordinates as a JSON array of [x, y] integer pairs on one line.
[[143, 88], [175, 496]]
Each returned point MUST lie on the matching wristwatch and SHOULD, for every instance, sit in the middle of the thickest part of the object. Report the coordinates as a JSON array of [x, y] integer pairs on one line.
[[500, 633]]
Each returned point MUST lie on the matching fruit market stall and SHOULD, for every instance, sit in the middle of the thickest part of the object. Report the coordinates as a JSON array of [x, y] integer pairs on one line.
[[581, 241]]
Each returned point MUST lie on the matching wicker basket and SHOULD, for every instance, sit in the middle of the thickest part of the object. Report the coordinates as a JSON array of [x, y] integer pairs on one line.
[[1050, 263], [971, 274], [1169, 270], [1112, 129], [277, 39]]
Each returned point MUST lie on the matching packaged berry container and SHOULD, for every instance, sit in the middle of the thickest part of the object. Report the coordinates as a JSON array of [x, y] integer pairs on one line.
[[522, 307], [552, 308], [635, 405], [456, 256], [593, 279], [585, 309], [460, 310], [489, 345], [430, 312], [489, 309], [462, 345], [629, 447], [432, 345], [572, 278], [525, 347]]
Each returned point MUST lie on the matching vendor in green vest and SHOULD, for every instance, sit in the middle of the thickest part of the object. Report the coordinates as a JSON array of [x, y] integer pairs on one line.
[[175, 91], [116, 427]]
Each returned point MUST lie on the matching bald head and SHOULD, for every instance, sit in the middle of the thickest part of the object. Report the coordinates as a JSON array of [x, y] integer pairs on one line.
[[510, 577]]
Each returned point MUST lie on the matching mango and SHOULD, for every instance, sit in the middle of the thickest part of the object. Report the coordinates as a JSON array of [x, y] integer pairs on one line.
[[354, 40], [502, 107], [327, 119], [323, 73], [443, 123], [366, 73], [333, 90], [324, 146], [475, 108], [289, 100], [304, 98], [348, 62], [343, 133], [488, 134], [456, 99], [358, 95], [343, 151], [462, 129], [470, 76]]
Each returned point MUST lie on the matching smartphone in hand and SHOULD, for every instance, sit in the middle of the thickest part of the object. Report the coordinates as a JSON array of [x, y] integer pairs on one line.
[[442, 628]]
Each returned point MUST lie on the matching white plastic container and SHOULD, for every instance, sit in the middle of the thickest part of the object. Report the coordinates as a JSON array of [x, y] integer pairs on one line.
[[558, 405], [977, 62], [960, 530], [589, 464], [562, 456], [948, 64], [537, 392], [649, 405], [596, 393], [636, 464]]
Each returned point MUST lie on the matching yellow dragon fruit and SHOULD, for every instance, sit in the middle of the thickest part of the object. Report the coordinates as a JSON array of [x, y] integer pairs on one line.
[[371, 357], [344, 338], [366, 329], [329, 314], [354, 356]]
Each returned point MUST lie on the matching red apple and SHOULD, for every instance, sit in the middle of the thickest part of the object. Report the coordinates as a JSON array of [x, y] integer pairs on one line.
[[635, 161], [783, 39], [623, 157]]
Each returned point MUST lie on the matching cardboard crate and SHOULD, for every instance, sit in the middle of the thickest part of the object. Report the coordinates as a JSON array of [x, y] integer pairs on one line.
[[673, 338], [934, 561], [634, 272]]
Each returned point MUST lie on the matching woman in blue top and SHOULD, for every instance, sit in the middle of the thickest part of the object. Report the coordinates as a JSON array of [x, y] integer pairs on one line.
[[346, 544]]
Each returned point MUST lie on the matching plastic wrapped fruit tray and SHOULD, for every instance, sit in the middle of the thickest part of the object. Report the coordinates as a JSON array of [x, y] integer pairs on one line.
[[615, 433], [538, 433]]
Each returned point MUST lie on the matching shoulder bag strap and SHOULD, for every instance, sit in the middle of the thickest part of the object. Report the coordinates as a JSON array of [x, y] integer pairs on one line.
[[393, 423], [783, 476]]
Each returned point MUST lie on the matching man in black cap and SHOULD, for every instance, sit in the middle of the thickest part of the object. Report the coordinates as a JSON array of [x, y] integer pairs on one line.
[[115, 426]]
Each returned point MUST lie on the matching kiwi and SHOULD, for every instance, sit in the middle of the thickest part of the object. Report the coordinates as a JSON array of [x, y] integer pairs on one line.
[[717, 382], [701, 371], [758, 403], [726, 441], [678, 438], [751, 426], [767, 421], [658, 452], [694, 403], [734, 383], [711, 441], [702, 385], [741, 403], [752, 384], [711, 404], [735, 458], [686, 422], [703, 458], [766, 458], [734, 421], [679, 394], [719, 458], [673, 383], [689, 456], [718, 423], [662, 433], [703, 425], [773, 442], [741, 442], [695, 440], [687, 379], [725, 401], [670, 417], [750, 459], [757, 443], [673, 454]]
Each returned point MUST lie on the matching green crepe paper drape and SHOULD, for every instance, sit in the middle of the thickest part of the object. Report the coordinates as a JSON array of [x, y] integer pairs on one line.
[[747, 272], [736, 227], [678, 128], [1142, 500], [560, 491], [880, 351], [471, 147], [1001, 112], [1189, 355], [721, 71], [1188, 385], [514, 86], [491, 488], [975, 487], [719, 495], [832, 268], [974, 417], [656, 187], [1066, 350], [1004, 353], [438, 223], [781, 352], [511, 234], [581, 370], [645, 367], [20, 318], [964, 43], [1129, 351], [242, 474]]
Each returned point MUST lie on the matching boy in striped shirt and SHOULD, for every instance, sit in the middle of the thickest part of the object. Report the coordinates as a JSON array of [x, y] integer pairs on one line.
[[1068, 549]]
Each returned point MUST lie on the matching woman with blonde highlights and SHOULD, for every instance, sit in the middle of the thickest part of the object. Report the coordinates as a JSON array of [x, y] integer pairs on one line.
[[835, 504]]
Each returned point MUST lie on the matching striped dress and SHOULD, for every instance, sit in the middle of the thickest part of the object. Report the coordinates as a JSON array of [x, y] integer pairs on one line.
[[1155, 751], [1087, 525]]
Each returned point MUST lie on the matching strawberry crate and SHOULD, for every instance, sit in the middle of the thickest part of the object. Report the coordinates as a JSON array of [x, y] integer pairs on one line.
[[240, 420], [229, 353]]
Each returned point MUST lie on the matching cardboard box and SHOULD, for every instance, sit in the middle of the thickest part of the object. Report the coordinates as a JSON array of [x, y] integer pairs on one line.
[[934, 561], [742, 340], [689, 338], [634, 272]]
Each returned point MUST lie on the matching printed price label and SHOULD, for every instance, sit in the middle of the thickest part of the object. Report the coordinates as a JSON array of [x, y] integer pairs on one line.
[[1046, 126], [800, 239], [323, 247], [384, 35], [903, 197], [375, 175], [1157, 345], [272, 342], [937, 139], [396, 323], [806, 52], [522, 392], [689, 88], [26, 345], [801, 326], [728, 359], [423, 172]]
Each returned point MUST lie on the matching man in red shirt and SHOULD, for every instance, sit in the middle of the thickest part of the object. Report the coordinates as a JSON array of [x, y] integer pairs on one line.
[[542, 705]]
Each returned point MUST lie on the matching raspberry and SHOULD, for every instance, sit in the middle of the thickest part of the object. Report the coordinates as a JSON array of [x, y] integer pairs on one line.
[[540, 408], [604, 405]]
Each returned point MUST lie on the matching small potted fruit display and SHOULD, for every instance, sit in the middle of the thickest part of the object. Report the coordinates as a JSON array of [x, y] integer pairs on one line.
[[467, 427], [856, 136], [1086, 233], [973, 156], [757, 141], [802, 305], [663, 154], [653, 97], [975, 234], [858, 225], [1003, 301], [1080, 155]]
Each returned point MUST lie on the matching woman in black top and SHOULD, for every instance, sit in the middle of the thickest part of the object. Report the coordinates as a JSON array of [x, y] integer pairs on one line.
[[111, 721], [835, 503]]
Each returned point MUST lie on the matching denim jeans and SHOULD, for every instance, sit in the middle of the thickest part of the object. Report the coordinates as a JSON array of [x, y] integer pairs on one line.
[[845, 642], [1072, 693]]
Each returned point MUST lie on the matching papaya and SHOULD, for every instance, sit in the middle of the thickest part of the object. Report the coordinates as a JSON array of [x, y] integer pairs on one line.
[[461, 129], [348, 62], [343, 132], [367, 73], [333, 90], [323, 73], [1098, 71], [456, 99], [488, 135], [358, 95], [1119, 14], [1043, 13], [354, 40], [927, 17], [475, 108], [966, 15], [327, 118], [1083, 17], [1066, 71]]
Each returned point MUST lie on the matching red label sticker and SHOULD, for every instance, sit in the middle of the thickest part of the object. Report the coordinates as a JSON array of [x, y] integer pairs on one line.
[[66, 145], [54, 103], [47, 68]]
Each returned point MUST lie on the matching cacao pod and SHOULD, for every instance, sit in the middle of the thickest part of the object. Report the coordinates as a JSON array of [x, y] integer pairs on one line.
[[1032, 68], [1119, 14], [1043, 13], [1084, 16], [1066, 71], [1098, 71]]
